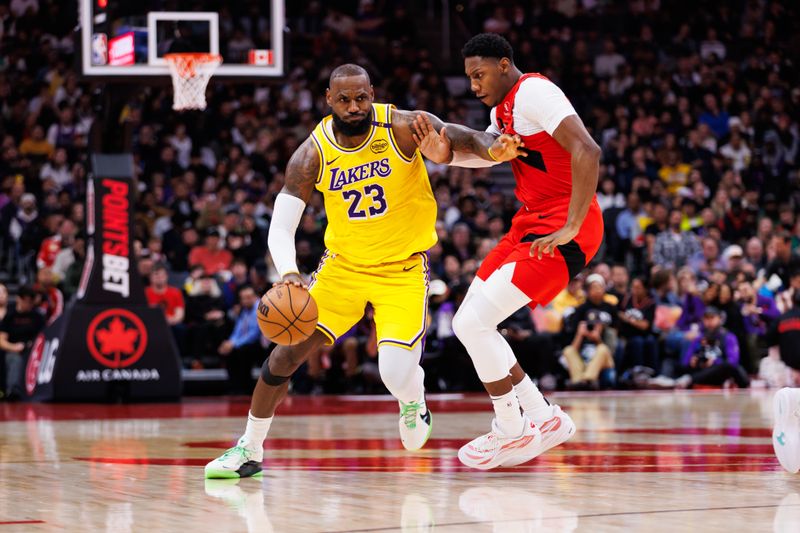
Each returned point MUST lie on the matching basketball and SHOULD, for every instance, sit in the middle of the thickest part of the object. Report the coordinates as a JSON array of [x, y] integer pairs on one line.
[[287, 314]]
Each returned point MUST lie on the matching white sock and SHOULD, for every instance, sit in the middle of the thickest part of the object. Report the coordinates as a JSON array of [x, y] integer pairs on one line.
[[532, 401], [507, 413], [254, 435]]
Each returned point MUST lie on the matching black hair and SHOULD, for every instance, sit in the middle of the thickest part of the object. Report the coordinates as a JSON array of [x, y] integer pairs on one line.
[[246, 287], [26, 291], [661, 278], [488, 45], [347, 70]]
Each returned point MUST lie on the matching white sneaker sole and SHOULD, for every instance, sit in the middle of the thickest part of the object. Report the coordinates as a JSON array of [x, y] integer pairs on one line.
[[555, 431], [518, 451], [786, 432]]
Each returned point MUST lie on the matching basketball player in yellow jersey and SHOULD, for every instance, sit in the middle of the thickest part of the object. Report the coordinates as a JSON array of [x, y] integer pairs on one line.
[[381, 215]]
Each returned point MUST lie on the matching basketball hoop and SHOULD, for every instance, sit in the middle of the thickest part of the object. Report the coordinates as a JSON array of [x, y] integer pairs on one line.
[[190, 74]]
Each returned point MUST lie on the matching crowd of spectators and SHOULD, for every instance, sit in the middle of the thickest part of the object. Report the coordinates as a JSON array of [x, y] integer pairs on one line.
[[695, 106]]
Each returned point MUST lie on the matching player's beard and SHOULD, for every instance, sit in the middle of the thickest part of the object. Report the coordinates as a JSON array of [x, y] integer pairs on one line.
[[353, 129]]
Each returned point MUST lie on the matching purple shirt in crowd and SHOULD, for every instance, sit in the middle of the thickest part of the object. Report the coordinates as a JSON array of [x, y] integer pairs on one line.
[[725, 340], [757, 324], [693, 309]]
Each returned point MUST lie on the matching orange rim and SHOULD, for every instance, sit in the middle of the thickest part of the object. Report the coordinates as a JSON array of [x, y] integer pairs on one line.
[[184, 63]]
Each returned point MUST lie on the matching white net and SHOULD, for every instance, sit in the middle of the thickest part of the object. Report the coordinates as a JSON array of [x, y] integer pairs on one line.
[[190, 74]]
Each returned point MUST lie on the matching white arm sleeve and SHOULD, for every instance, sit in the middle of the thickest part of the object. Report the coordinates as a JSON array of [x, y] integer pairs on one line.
[[285, 218], [541, 103], [467, 160]]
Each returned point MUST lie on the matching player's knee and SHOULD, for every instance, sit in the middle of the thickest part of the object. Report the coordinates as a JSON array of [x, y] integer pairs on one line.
[[466, 322], [400, 371], [459, 321], [273, 377], [284, 360]]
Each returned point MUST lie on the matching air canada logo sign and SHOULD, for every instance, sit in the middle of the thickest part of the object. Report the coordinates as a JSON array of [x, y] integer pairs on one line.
[[116, 338]]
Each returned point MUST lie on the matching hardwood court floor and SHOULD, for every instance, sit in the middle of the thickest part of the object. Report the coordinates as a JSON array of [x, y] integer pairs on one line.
[[653, 462]]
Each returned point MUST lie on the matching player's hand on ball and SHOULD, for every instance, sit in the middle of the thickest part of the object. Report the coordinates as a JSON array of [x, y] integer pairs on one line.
[[434, 146], [547, 245], [287, 314], [507, 147], [292, 278]]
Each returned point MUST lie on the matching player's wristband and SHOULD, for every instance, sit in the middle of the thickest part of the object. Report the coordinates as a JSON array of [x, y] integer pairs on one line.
[[489, 151]]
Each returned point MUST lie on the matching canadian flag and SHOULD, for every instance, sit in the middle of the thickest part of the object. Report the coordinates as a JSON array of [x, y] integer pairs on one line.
[[259, 57]]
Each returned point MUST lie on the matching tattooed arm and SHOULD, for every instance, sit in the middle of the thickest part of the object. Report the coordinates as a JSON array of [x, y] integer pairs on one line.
[[438, 141], [302, 171], [301, 175]]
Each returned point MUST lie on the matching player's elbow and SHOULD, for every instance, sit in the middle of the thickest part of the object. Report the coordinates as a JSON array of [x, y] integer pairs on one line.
[[586, 159], [589, 150]]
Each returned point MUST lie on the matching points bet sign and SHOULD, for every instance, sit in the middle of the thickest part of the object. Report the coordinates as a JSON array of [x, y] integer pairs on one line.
[[108, 344]]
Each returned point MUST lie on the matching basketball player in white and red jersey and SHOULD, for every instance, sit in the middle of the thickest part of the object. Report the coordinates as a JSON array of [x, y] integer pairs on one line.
[[553, 236]]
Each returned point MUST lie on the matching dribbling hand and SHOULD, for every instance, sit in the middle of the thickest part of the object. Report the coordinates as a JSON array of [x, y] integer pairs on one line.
[[292, 278], [434, 146]]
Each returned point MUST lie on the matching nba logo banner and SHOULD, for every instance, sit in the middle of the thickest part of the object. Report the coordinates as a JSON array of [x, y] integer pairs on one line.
[[260, 57], [99, 49]]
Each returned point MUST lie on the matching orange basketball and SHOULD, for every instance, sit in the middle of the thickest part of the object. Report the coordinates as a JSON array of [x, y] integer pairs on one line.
[[287, 314]]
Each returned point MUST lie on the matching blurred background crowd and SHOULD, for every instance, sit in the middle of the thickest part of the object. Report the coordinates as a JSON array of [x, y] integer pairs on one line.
[[695, 105]]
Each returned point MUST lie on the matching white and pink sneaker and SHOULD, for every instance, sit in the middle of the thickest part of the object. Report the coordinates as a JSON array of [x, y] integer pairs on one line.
[[495, 449], [558, 429]]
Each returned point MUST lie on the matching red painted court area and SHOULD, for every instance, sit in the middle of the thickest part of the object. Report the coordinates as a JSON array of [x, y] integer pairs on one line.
[[596, 449], [576, 463], [225, 406], [439, 455]]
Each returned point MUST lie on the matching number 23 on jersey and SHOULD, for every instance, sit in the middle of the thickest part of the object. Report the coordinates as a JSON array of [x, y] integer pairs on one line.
[[365, 203]]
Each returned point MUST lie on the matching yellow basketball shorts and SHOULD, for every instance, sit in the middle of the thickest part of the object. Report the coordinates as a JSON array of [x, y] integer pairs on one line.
[[398, 292]]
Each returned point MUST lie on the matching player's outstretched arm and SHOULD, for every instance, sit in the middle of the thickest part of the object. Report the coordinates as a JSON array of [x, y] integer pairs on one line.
[[301, 175], [438, 141], [571, 134]]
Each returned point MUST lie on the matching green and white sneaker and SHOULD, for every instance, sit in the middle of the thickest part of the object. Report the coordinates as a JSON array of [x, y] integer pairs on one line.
[[415, 424], [234, 463]]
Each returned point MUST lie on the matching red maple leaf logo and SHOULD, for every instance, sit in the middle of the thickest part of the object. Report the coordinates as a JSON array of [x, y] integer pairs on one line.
[[117, 339]]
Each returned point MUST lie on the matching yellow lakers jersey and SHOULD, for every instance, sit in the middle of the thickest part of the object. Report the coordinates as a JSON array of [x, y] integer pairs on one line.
[[379, 203]]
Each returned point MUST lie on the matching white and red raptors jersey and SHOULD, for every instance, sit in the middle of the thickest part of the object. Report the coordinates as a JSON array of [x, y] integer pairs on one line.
[[533, 109]]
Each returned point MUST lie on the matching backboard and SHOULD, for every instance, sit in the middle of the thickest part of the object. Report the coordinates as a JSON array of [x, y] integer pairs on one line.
[[128, 39]]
